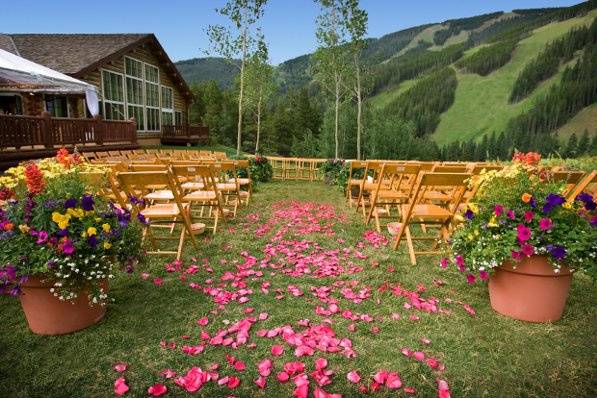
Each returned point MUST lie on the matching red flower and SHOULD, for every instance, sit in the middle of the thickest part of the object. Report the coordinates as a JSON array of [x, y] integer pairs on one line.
[[34, 179], [6, 193], [157, 390]]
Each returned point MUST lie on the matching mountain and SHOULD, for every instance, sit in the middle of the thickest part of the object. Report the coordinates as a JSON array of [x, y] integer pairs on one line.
[[197, 70], [463, 79]]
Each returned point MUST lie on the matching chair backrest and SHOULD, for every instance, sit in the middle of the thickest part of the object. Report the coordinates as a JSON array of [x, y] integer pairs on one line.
[[461, 168], [142, 182], [478, 168], [397, 177], [455, 183], [194, 172], [587, 184], [148, 167]]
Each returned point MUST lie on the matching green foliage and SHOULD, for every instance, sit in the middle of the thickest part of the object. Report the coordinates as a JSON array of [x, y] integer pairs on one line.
[[199, 70], [547, 62], [334, 172], [455, 26], [424, 102], [488, 59]]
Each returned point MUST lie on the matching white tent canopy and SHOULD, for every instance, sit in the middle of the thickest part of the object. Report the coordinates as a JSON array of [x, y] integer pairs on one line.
[[19, 74]]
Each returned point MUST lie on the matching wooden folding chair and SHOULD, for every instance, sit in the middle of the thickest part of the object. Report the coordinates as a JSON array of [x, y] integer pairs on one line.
[[205, 202], [570, 178], [419, 211], [587, 184], [158, 214], [228, 185], [356, 167], [244, 167], [394, 187], [370, 175]]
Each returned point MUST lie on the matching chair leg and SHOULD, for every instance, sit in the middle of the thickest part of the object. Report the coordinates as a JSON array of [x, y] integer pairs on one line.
[[181, 243], [411, 249]]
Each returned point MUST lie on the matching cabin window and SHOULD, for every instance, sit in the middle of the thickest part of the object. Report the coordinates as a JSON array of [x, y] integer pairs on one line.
[[113, 95], [134, 68], [167, 106], [178, 118], [11, 104], [56, 105]]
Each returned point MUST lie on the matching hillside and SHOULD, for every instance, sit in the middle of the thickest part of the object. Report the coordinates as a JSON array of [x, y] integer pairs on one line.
[[505, 73], [198, 70]]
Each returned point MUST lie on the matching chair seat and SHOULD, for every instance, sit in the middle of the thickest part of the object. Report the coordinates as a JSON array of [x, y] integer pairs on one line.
[[435, 195], [161, 210], [390, 194], [163, 194], [428, 212], [244, 194], [355, 181], [192, 186], [241, 181], [199, 196], [226, 187]]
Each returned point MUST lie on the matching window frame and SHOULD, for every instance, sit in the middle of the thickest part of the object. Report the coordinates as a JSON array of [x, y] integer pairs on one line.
[[112, 102], [164, 109]]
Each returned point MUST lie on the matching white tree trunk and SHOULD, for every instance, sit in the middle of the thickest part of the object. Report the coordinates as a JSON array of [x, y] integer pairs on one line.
[[359, 108], [240, 95], [258, 124], [337, 112]]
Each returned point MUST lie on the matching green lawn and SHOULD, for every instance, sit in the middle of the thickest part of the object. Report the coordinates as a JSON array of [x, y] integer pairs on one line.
[[485, 355]]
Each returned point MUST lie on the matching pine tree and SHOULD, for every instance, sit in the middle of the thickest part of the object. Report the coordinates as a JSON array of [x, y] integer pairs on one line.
[[583, 144], [571, 147]]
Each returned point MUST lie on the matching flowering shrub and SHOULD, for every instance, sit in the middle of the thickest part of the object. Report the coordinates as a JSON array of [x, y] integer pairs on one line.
[[334, 172], [519, 212], [261, 169], [54, 226]]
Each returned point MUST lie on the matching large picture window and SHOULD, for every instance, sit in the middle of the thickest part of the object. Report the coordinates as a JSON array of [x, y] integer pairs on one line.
[[113, 93], [167, 106]]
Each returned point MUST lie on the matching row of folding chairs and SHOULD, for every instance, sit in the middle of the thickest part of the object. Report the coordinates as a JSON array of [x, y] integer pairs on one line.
[[305, 169], [425, 194], [196, 195], [147, 154]]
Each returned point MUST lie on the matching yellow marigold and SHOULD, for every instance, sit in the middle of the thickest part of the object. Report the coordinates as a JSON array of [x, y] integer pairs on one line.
[[107, 245], [63, 224], [474, 208], [106, 227], [492, 222], [91, 231], [77, 212], [24, 228]]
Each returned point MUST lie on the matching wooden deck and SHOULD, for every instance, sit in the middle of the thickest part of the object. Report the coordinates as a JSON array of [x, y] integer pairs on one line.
[[33, 137], [184, 135]]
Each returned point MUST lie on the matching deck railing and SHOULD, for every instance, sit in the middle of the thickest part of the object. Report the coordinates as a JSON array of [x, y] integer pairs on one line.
[[35, 132], [185, 131]]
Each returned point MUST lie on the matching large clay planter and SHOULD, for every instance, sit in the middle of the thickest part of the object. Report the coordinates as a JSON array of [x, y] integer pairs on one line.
[[531, 292], [49, 316]]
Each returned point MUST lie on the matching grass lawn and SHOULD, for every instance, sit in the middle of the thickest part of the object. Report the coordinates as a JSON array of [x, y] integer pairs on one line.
[[485, 355]]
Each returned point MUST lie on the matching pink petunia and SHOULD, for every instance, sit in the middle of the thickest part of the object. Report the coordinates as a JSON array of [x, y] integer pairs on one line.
[[528, 216], [158, 281], [282, 377], [443, 390], [498, 210], [545, 224], [393, 381], [167, 373], [261, 382], [157, 390], [265, 367], [203, 321], [233, 382], [527, 250], [443, 263], [470, 278], [483, 275], [523, 233]]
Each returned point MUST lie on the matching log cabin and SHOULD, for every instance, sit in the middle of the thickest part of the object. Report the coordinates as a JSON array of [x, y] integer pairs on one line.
[[133, 76]]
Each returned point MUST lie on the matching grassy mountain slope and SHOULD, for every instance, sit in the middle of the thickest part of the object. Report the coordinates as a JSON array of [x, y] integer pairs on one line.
[[481, 103], [197, 70], [584, 120]]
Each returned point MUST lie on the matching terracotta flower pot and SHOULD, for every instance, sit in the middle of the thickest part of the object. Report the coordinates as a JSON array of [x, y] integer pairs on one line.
[[48, 315], [531, 292]]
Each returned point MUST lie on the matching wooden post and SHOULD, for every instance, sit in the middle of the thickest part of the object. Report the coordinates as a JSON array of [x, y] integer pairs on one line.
[[47, 129], [133, 130], [99, 130]]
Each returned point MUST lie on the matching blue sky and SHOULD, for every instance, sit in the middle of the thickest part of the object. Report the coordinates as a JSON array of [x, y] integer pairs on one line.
[[180, 24]]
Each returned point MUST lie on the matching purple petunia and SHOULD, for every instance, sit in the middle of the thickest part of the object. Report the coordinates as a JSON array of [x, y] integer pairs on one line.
[[92, 241], [468, 214], [557, 252], [551, 201]]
